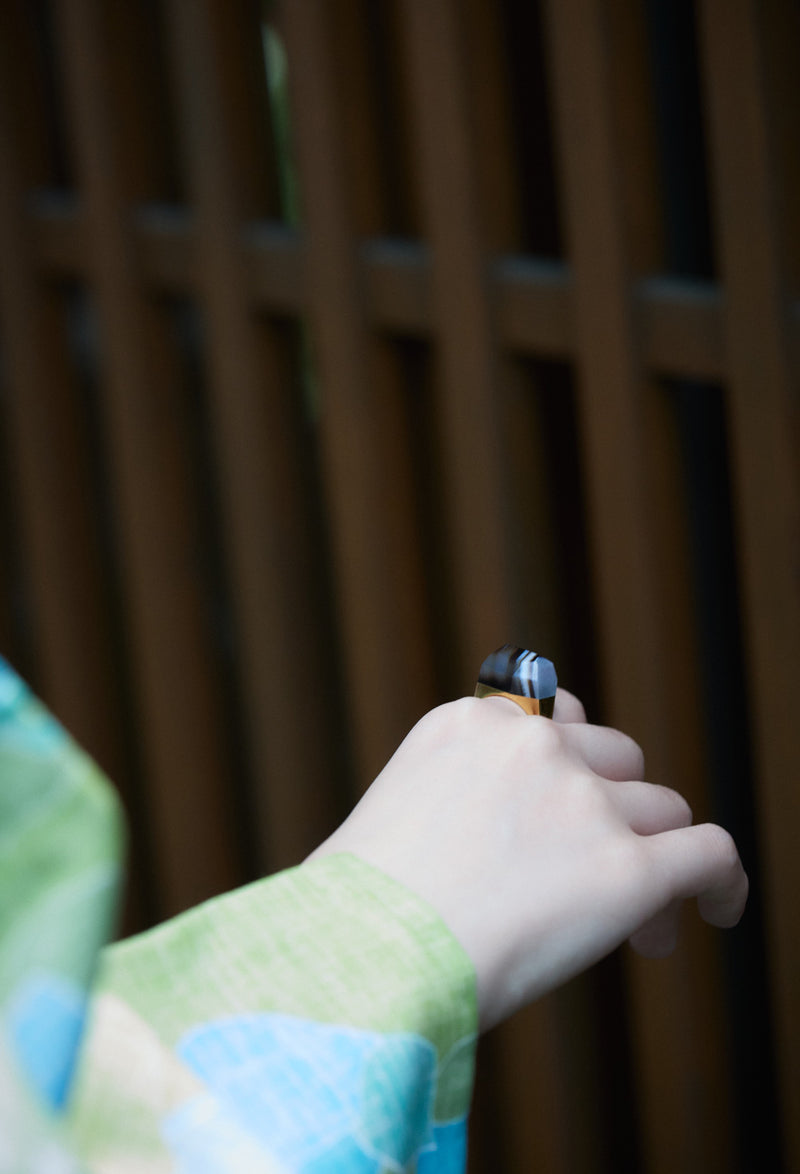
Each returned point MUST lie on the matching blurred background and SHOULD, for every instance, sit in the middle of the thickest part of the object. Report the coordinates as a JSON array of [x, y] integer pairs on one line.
[[342, 342]]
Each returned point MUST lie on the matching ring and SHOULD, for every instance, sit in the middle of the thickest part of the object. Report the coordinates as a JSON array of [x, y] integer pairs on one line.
[[523, 677]]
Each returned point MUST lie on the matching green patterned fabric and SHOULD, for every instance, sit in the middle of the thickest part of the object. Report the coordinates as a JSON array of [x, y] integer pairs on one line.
[[321, 1020]]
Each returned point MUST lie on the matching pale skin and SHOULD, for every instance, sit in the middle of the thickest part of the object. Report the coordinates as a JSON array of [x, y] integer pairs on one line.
[[539, 844]]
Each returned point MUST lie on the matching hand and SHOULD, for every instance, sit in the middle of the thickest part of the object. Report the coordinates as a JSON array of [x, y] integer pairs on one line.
[[537, 844]]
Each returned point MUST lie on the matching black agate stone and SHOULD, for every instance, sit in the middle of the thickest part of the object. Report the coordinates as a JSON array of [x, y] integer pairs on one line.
[[523, 676]]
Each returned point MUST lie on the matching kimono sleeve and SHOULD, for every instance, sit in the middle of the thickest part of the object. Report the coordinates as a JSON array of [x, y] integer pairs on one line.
[[323, 1019]]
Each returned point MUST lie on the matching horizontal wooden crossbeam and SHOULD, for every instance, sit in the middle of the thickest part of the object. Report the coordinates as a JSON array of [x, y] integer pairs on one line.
[[681, 321]]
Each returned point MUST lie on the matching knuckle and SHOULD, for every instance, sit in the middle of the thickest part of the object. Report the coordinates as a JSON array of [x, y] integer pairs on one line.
[[635, 755], [722, 845], [545, 735], [460, 711], [626, 861], [569, 708], [683, 811], [579, 709], [445, 718], [590, 796]]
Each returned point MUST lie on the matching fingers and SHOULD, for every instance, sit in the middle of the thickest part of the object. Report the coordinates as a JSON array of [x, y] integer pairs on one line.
[[701, 861], [568, 708], [609, 753], [650, 809], [658, 937]]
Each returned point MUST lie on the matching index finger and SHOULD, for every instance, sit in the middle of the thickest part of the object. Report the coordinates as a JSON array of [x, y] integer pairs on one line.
[[702, 861]]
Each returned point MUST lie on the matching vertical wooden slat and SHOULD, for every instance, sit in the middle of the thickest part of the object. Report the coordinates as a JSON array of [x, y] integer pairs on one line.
[[646, 667], [762, 404], [518, 391], [257, 416], [170, 645], [380, 596], [472, 468]]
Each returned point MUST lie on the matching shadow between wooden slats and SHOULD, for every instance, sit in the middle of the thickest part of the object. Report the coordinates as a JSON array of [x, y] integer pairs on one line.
[[177, 694], [379, 588], [779, 32], [487, 106], [639, 557], [763, 415]]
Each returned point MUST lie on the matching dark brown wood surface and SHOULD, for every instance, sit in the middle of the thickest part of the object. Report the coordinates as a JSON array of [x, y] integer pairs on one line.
[[343, 342], [764, 415]]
